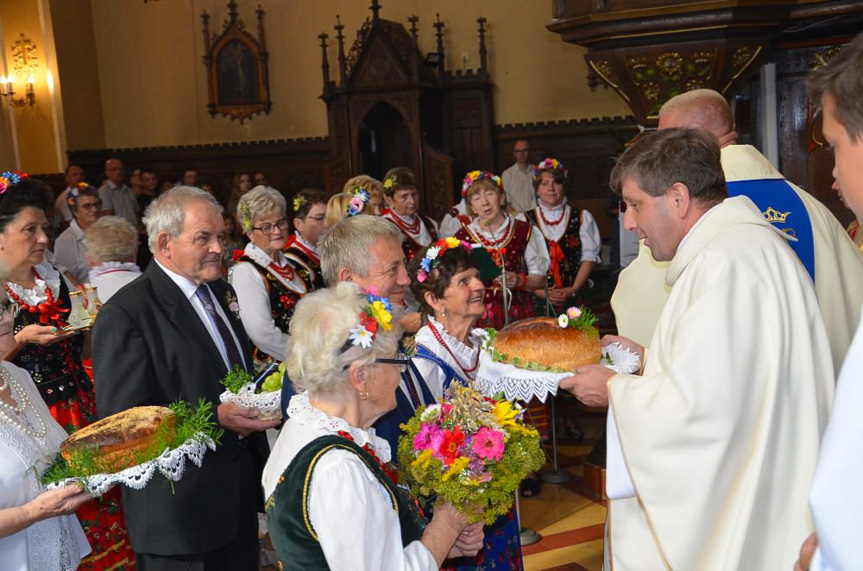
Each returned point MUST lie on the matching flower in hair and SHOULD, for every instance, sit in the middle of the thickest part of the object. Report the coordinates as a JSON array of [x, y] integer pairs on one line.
[[359, 197], [549, 164], [8, 178], [376, 314], [390, 182], [299, 202], [245, 217], [434, 252], [473, 177]]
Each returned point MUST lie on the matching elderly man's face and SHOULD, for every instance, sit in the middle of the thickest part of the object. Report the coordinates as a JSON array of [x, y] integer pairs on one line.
[[196, 253], [650, 217], [848, 158], [521, 152], [115, 172], [74, 176], [387, 272]]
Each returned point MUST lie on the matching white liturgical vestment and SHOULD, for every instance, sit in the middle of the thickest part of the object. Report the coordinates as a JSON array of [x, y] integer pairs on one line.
[[720, 433]]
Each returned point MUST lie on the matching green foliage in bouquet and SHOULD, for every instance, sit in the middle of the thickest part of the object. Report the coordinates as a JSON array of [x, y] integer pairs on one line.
[[470, 451], [85, 462], [236, 379]]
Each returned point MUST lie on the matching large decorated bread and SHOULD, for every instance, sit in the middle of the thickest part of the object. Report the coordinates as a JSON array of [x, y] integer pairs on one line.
[[561, 343], [118, 441]]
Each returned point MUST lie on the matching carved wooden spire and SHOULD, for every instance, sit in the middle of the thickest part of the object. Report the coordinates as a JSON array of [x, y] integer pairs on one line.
[[439, 26], [483, 52], [375, 8], [205, 19], [343, 74], [325, 64], [413, 20], [261, 39]]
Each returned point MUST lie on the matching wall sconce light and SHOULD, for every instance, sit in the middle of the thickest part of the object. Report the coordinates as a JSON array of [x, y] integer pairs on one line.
[[7, 90]]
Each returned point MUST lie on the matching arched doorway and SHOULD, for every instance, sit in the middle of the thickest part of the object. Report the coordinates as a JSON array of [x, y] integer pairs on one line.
[[384, 140]]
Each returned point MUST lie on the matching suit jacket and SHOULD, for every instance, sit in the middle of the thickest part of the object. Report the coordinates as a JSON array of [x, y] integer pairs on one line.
[[151, 348]]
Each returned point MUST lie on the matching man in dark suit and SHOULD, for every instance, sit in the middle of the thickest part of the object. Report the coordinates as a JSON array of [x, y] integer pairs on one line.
[[172, 334]]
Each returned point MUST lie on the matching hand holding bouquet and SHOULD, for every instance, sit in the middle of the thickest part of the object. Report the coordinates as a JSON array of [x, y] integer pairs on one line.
[[471, 451]]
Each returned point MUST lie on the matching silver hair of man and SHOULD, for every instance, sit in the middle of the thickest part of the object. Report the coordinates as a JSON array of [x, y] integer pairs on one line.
[[347, 245], [260, 201], [168, 212], [111, 239], [320, 327]]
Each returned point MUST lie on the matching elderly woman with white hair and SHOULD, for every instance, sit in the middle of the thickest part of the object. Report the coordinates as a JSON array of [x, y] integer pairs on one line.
[[268, 286], [112, 246], [351, 514]]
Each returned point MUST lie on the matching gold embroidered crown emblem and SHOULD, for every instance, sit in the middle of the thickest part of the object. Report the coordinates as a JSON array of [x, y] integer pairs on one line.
[[772, 215]]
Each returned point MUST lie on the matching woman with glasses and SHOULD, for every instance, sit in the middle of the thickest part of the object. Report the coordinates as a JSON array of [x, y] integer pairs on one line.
[[450, 294], [69, 248], [333, 501], [310, 210], [268, 286]]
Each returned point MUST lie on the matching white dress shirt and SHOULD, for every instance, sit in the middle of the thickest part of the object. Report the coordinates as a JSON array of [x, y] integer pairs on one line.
[[189, 288], [518, 186], [70, 251], [121, 200]]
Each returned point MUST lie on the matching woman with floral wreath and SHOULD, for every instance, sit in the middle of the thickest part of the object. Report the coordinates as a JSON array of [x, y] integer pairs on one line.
[[571, 235], [513, 246], [403, 202], [70, 251], [309, 211], [268, 286], [33, 316], [445, 281]]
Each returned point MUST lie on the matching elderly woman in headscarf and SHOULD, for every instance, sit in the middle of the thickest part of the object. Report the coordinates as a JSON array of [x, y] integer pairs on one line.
[[333, 500]]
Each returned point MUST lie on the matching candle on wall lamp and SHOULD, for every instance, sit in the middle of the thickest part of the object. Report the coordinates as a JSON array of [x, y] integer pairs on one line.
[[30, 82], [4, 85]]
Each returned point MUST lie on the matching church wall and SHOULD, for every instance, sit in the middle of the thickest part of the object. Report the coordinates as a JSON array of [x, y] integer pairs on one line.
[[153, 86]]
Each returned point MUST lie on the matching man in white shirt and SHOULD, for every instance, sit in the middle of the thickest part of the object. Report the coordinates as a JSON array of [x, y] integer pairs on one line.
[[719, 434], [117, 198], [518, 179], [836, 495], [74, 175]]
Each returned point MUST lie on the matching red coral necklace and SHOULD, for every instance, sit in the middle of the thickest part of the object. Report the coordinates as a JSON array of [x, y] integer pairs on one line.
[[408, 228], [387, 467], [495, 243], [469, 373], [551, 222], [48, 310]]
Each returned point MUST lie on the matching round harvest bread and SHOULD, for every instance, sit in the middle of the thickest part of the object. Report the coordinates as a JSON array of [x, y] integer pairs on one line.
[[120, 436], [541, 340]]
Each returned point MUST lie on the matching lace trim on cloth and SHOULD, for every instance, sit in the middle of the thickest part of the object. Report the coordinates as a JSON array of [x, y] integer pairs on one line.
[[268, 403], [171, 464], [303, 412], [113, 267], [50, 277], [262, 259], [523, 384]]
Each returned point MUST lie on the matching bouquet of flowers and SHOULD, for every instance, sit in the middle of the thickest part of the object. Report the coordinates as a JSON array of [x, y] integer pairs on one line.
[[265, 396], [471, 451]]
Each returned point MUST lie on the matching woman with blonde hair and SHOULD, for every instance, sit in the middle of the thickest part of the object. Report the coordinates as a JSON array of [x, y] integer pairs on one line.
[[112, 246], [354, 200], [241, 184], [344, 363], [268, 286]]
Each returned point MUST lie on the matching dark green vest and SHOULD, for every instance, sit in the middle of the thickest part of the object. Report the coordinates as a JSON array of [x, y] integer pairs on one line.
[[291, 530]]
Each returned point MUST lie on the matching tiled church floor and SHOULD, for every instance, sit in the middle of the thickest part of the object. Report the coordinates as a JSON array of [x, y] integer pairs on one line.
[[569, 521]]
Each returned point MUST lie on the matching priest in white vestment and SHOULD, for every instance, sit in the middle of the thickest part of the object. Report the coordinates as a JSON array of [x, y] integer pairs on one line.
[[713, 446], [838, 271]]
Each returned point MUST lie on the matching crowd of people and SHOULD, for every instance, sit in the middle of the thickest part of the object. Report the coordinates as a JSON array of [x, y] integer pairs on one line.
[[722, 448]]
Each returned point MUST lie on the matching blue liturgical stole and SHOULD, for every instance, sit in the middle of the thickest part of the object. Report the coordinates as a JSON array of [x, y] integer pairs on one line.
[[783, 208]]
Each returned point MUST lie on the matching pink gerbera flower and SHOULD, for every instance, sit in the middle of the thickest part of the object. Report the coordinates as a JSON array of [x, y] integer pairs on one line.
[[423, 438], [488, 443]]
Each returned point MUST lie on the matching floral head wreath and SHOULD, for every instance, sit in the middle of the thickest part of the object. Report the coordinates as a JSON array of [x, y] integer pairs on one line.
[[473, 177], [434, 253], [245, 217], [9, 178], [390, 182], [549, 164], [75, 192], [359, 197], [377, 314], [299, 202]]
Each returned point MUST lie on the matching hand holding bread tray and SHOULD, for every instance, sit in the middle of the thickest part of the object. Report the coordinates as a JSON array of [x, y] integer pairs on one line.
[[263, 393], [130, 446], [529, 358]]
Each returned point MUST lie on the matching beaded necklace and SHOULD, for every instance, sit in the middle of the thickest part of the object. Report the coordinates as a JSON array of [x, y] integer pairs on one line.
[[387, 467], [286, 272], [495, 243], [48, 310], [469, 373], [413, 228], [14, 413], [551, 222]]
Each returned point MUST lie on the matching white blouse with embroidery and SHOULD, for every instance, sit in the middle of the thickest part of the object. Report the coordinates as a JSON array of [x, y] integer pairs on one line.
[[349, 508]]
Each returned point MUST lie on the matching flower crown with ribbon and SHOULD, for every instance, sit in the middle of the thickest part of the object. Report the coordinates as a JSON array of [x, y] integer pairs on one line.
[[75, 192], [376, 314], [359, 197], [473, 177], [299, 202], [434, 253], [549, 164], [9, 178]]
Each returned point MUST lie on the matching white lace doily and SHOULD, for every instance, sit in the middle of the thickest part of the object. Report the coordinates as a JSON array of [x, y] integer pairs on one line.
[[523, 384], [269, 403], [171, 464]]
